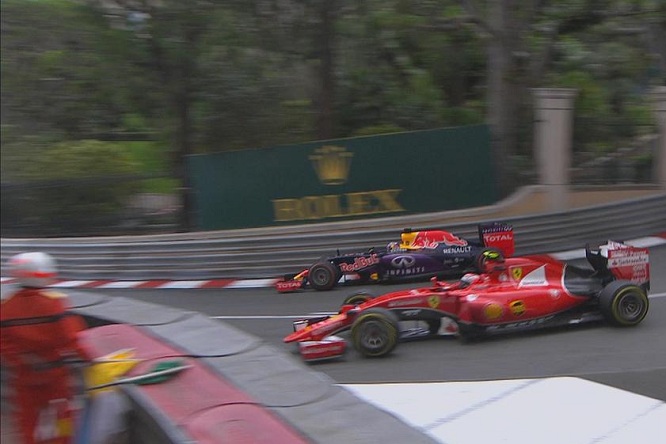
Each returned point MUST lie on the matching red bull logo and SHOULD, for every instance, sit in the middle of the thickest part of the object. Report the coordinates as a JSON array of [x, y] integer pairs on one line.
[[432, 239], [359, 263]]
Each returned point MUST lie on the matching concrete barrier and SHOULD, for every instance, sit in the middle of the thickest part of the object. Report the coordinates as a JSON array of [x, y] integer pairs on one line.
[[594, 216], [240, 389]]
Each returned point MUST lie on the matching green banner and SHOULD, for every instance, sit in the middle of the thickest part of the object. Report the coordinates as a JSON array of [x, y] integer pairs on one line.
[[388, 175]]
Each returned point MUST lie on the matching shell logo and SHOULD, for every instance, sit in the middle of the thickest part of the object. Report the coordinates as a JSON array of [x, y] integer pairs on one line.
[[493, 311]]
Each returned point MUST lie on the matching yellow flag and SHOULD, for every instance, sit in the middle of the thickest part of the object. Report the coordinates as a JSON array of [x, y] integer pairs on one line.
[[108, 368]]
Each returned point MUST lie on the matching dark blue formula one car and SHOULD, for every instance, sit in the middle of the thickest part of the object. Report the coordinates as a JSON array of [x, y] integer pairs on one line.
[[419, 254]]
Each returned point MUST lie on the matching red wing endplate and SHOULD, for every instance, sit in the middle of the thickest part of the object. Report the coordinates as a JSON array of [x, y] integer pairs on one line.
[[498, 235], [315, 337], [328, 348]]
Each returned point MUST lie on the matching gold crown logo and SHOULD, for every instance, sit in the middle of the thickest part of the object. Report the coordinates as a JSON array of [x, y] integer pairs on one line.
[[332, 164]]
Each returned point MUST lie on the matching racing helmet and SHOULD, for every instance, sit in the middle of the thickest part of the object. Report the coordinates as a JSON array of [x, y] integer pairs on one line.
[[35, 269], [468, 279], [492, 260], [393, 247]]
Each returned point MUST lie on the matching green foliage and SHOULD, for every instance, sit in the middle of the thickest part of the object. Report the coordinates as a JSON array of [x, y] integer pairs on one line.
[[55, 75], [135, 122], [149, 158], [77, 185], [591, 98], [146, 157], [84, 158], [209, 76], [241, 70], [18, 154], [463, 115], [641, 115]]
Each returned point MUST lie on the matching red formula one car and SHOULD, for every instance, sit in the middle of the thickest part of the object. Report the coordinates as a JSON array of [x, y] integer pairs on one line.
[[513, 294]]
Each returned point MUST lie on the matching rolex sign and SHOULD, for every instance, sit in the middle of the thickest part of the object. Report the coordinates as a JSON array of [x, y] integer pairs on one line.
[[394, 174]]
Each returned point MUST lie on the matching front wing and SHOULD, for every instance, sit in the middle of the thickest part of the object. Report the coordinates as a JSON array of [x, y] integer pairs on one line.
[[330, 347], [297, 282]]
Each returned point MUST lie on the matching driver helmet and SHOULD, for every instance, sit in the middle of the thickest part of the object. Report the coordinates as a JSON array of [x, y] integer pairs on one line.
[[393, 247], [493, 261], [468, 279], [35, 269]]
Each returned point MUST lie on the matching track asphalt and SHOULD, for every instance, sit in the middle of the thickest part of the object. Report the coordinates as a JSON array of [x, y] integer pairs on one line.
[[521, 411]]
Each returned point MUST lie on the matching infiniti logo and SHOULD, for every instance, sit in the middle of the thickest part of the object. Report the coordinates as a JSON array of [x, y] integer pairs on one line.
[[403, 261]]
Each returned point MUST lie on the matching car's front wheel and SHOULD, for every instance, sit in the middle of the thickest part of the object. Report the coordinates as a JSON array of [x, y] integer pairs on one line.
[[323, 276], [623, 303], [375, 332], [357, 298]]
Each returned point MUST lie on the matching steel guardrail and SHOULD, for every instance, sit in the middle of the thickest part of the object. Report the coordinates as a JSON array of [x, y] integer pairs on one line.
[[271, 252]]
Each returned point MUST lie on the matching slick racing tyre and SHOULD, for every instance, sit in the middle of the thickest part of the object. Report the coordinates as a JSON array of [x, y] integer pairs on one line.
[[357, 298], [323, 276], [623, 303], [375, 332]]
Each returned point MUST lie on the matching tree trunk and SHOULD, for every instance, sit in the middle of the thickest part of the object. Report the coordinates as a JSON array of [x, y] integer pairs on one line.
[[497, 70], [326, 50], [657, 44], [503, 91]]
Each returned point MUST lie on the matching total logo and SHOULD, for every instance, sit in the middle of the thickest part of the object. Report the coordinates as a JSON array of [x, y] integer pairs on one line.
[[498, 237]]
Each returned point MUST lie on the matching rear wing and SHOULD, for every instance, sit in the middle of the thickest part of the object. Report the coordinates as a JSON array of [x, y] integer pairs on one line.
[[629, 263], [498, 235], [622, 261]]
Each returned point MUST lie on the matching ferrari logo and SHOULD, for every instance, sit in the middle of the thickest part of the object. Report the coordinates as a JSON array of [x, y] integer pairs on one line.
[[433, 301], [517, 273], [517, 307]]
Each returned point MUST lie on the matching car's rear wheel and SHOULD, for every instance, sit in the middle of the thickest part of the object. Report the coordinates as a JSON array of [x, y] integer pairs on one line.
[[323, 276], [375, 332], [623, 303]]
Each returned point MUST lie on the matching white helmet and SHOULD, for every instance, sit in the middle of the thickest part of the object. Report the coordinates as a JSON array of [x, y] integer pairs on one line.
[[33, 269], [468, 279]]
